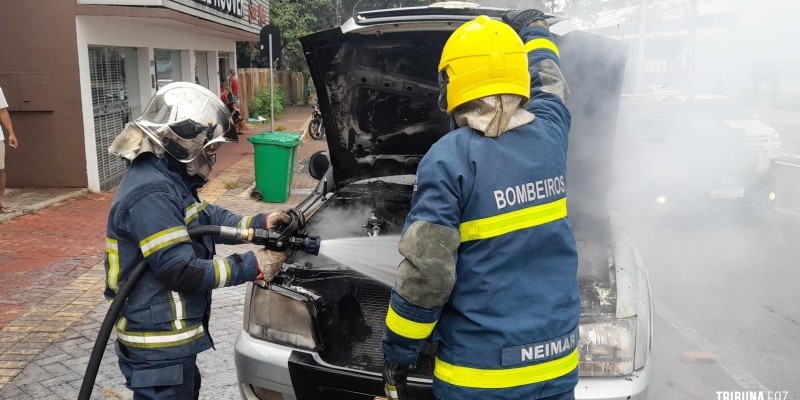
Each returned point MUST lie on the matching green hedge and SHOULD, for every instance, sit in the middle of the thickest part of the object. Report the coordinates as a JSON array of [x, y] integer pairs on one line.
[[260, 104]]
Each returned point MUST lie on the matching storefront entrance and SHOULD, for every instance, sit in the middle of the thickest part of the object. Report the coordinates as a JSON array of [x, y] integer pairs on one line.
[[113, 73]]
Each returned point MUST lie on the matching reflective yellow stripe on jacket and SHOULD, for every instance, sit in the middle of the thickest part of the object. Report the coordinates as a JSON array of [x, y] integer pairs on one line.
[[490, 227], [222, 272], [152, 340], [407, 328], [245, 222], [542, 44], [193, 211], [163, 239], [507, 377], [178, 310], [112, 252]]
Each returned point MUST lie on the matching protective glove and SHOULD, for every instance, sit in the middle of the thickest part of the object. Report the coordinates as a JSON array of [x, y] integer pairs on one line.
[[519, 19], [270, 263], [260, 275], [276, 219], [394, 380]]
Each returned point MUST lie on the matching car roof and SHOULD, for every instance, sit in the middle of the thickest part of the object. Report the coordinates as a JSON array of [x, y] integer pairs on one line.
[[440, 12], [705, 96], [673, 96]]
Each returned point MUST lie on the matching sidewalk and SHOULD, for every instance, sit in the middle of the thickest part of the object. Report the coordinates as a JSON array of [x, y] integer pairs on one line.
[[54, 308], [29, 200]]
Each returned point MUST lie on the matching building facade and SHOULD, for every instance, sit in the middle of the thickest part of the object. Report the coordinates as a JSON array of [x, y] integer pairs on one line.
[[76, 71]]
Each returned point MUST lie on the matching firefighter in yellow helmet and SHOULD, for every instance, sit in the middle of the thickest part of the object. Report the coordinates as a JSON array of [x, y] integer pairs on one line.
[[490, 269]]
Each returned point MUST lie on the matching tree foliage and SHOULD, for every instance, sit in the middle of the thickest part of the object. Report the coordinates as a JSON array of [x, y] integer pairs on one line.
[[248, 55], [296, 19], [262, 102]]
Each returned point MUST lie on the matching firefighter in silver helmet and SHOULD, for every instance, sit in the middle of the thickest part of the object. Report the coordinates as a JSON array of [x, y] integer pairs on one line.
[[164, 323]]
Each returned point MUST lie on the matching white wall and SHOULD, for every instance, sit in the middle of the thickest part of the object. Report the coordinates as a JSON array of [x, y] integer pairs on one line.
[[213, 71], [192, 7], [132, 80], [145, 54], [145, 35]]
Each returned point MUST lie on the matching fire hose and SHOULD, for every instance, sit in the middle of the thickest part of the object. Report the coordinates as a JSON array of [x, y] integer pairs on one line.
[[286, 238]]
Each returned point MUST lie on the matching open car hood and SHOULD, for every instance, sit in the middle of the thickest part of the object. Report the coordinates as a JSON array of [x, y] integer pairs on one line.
[[376, 82]]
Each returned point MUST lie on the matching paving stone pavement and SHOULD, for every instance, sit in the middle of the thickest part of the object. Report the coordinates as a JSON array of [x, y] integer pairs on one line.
[[52, 348]]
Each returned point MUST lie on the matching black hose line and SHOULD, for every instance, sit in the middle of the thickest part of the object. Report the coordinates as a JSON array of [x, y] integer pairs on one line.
[[116, 307], [104, 333]]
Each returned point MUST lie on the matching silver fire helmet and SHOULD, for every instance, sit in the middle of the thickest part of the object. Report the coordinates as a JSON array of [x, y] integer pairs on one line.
[[190, 123]]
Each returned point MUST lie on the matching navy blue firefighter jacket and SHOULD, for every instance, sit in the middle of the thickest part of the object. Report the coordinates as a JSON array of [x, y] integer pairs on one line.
[[509, 328], [166, 316]]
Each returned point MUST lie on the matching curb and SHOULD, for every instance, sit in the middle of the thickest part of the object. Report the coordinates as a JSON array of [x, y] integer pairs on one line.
[[305, 127], [44, 204]]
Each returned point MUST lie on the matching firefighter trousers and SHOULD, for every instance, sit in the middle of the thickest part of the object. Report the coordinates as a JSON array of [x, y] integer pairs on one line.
[[177, 379]]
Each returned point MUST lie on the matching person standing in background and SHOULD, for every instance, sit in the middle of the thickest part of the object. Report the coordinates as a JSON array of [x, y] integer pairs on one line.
[[5, 122], [224, 93], [234, 83]]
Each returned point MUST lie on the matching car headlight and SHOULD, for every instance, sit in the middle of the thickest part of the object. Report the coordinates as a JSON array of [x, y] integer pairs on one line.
[[775, 137], [607, 347], [282, 316]]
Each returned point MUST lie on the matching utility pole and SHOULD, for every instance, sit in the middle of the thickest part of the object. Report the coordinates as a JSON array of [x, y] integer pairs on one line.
[[691, 47], [640, 46]]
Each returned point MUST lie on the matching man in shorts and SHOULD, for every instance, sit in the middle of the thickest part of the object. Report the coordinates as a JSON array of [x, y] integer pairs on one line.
[[5, 121]]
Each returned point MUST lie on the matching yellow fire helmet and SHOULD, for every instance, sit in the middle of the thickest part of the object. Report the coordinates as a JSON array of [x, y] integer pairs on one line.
[[481, 58]]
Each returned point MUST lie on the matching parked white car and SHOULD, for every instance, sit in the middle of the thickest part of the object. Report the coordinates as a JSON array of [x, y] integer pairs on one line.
[[732, 113], [736, 116]]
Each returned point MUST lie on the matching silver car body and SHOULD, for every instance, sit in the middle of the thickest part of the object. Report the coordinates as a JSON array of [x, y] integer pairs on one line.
[[262, 364]]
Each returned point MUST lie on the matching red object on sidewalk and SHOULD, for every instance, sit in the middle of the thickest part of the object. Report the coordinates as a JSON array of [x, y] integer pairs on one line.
[[42, 252]]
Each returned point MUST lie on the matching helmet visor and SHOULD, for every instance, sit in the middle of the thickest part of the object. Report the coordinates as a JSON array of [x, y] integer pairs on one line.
[[174, 139], [443, 81]]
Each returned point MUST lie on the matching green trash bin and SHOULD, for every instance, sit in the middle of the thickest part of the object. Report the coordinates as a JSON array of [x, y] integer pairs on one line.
[[275, 154]]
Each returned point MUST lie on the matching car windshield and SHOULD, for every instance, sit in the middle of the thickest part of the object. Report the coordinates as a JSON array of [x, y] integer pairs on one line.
[[724, 109], [669, 124]]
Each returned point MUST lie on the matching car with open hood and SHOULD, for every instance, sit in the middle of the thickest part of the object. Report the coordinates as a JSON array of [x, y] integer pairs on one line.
[[314, 332]]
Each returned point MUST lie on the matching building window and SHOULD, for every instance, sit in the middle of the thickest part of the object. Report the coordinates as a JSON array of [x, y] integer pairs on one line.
[[168, 67]]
